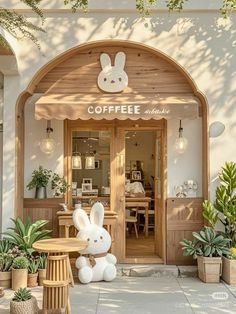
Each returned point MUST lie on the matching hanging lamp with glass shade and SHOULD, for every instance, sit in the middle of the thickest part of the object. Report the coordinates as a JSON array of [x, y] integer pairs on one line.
[[90, 161], [48, 145], [76, 160], [181, 142]]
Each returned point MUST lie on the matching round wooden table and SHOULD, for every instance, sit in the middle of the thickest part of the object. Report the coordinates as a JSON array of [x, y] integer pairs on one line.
[[60, 246]]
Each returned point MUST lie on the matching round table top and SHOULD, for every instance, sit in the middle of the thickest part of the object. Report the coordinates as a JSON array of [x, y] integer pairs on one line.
[[60, 245]]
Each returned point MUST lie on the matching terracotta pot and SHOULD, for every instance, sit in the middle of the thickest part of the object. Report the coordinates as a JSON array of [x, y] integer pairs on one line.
[[19, 278], [32, 280], [29, 306], [209, 268], [42, 276], [229, 271], [5, 279]]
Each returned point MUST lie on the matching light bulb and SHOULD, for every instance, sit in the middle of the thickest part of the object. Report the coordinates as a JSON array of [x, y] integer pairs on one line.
[[90, 162], [47, 145], [76, 162], [181, 144]]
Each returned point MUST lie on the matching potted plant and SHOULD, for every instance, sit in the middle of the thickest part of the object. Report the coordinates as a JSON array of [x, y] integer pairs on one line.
[[39, 181], [43, 259], [208, 247], [6, 261], [24, 235], [223, 211], [19, 272], [229, 267], [33, 272], [23, 302], [59, 185]]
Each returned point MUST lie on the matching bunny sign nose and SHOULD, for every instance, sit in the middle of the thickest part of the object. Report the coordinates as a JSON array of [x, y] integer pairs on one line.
[[95, 240], [112, 81]]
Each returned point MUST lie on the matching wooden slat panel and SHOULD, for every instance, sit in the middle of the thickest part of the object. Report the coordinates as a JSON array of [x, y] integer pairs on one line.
[[147, 73], [43, 209], [184, 215]]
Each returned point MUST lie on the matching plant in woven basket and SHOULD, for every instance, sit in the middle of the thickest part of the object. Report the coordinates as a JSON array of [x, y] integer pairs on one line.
[[22, 294], [6, 261], [20, 262], [33, 266]]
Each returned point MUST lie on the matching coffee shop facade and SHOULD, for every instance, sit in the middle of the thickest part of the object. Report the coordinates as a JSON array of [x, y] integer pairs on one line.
[[121, 86]]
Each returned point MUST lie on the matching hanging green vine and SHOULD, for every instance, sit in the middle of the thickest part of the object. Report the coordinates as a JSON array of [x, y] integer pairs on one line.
[[227, 7]]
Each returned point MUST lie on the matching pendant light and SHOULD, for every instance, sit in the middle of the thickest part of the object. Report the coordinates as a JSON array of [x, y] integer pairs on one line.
[[76, 160], [47, 145], [181, 142], [90, 161]]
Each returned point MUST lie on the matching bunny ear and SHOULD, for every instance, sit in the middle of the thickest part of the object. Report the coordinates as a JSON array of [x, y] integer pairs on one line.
[[120, 60], [97, 214], [80, 219], [105, 60]]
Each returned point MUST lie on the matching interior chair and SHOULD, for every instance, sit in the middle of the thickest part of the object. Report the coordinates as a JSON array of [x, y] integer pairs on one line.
[[56, 286], [151, 212], [132, 219]]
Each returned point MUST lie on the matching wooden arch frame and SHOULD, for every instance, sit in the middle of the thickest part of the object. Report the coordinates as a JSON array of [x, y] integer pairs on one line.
[[19, 184]]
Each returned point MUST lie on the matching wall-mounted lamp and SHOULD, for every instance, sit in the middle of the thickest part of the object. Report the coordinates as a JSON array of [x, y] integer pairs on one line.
[[47, 145], [181, 142]]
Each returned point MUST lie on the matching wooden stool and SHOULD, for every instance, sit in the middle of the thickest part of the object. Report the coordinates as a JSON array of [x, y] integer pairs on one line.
[[56, 296]]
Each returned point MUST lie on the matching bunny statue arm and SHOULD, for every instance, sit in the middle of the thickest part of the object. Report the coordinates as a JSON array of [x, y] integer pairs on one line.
[[81, 262], [111, 258]]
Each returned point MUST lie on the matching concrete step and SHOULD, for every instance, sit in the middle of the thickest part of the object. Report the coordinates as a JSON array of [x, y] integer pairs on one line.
[[152, 270]]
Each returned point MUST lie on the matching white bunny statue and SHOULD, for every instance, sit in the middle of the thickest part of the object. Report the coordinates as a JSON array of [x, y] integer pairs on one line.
[[94, 263], [112, 79]]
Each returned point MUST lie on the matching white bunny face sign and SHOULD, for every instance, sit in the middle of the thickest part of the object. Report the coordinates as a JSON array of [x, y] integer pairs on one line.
[[112, 79]]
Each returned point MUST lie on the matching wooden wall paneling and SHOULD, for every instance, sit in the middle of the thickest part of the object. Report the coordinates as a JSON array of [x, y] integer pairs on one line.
[[184, 215], [47, 209]]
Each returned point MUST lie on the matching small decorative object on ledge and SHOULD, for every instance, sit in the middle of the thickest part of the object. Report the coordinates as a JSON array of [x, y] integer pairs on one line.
[[94, 263], [188, 189], [39, 181]]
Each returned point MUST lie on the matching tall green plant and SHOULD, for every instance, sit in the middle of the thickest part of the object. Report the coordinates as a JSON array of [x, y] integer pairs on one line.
[[24, 235], [224, 208]]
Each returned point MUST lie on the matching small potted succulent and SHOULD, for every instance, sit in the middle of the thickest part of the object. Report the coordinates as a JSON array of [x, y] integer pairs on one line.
[[39, 181], [208, 247], [33, 272], [23, 302], [43, 259], [6, 261], [229, 267], [59, 185], [19, 272]]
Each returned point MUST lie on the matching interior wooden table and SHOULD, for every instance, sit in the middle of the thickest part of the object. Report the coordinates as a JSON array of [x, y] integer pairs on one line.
[[138, 202], [60, 246]]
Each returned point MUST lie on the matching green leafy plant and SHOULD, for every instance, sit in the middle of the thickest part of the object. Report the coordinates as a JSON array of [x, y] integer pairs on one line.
[[33, 266], [24, 235], [22, 294], [6, 261], [224, 208], [77, 4], [40, 178], [5, 246], [207, 243], [59, 185], [43, 260], [20, 262]]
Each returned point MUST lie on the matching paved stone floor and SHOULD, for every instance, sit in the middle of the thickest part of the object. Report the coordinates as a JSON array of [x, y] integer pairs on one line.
[[133, 295]]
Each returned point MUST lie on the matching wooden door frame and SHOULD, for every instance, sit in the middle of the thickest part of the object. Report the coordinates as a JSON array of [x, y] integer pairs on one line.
[[159, 125]]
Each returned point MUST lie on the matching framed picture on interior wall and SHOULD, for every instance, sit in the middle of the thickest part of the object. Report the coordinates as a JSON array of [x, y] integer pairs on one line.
[[87, 180], [86, 187], [133, 165], [97, 164], [136, 175]]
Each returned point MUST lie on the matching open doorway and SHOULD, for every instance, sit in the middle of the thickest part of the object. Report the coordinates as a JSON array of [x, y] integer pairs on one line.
[[143, 206]]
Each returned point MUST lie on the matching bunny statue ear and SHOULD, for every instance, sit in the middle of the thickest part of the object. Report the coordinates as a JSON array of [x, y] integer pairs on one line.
[[105, 60], [120, 60], [80, 219], [97, 214]]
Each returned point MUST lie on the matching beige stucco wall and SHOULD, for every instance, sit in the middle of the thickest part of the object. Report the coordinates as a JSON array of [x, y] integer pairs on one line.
[[201, 42]]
